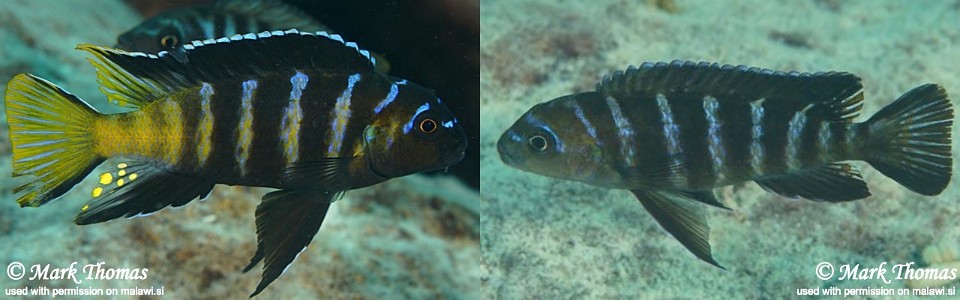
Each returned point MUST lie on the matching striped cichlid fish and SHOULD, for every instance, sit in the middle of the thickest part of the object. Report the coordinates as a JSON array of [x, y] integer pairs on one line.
[[301, 112], [672, 132], [169, 30]]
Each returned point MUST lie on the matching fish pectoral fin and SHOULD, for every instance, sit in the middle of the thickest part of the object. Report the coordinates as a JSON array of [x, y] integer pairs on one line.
[[135, 188], [670, 175], [287, 220], [321, 175], [835, 182], [679, 215]]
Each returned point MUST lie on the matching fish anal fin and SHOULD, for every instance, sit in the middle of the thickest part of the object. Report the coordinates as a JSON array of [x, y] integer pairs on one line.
[[681, 217], [287, 220], [133, 189], [835, 182]]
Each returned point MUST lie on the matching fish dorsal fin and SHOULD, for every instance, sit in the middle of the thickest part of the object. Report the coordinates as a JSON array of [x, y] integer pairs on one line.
[[277, 13], [137, 78], [835, 96]]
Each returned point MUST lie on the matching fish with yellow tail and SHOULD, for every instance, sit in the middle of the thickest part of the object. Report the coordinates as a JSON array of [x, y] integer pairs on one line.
[[672, 132], [301, 112]]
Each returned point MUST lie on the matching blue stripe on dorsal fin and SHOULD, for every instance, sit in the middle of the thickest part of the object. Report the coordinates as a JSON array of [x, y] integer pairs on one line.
[[134, 78]]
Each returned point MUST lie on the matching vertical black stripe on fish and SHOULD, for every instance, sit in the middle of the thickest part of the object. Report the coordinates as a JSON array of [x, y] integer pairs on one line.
[[809, 153], [219, 25], [190, 108], [318, 99], [266, 159], [775, 125], [653, 157], [240, 25], [597, 115], [736, 131], [692, 122], [224, 105]]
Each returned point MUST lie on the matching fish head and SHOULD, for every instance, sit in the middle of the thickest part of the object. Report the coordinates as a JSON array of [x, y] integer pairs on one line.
[[164, 32], [416, 133], [551, 140]]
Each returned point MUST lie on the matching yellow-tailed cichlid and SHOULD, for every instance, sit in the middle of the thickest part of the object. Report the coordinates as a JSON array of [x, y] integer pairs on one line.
[[171, 29], [672, 132], [301, 112]]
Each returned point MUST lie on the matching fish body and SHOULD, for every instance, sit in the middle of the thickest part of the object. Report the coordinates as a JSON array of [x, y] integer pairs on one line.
[[672, 132], [304, 113], [172, 29]]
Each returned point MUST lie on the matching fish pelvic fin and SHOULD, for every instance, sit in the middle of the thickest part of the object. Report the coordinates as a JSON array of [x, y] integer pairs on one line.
[[910, 140], [679, 214], [51, 136], [287, 220]]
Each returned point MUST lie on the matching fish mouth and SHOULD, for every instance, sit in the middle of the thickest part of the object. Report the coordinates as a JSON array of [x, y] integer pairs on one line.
[[505, 154]]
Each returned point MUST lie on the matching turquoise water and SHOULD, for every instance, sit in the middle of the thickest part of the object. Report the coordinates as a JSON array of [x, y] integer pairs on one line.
[[554, 239]]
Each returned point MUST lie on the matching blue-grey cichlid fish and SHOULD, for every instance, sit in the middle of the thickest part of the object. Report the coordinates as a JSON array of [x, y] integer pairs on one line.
[[672, 132], [301, 112], [170, 29]]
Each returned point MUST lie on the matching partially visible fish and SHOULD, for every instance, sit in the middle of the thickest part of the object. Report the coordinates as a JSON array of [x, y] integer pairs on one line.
[[301, 112], [672, 132], [171, 29]]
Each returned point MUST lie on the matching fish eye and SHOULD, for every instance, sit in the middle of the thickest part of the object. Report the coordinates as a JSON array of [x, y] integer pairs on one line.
[[538, 142], [428, 126], [169, 41]]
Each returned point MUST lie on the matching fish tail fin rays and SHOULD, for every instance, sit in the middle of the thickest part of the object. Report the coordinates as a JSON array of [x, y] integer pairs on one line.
[[286, 223], [50, 130], [679, 215], [910, 140]]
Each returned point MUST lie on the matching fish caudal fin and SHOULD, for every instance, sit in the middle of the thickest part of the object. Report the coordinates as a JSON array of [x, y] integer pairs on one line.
[[50, 130], [910, 140]]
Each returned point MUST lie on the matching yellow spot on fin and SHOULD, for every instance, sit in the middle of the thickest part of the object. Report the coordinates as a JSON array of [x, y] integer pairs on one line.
[[121, 173], [97, 191], [85, 207], [122, 165], [106, 178], [120, 182], [133, 176]]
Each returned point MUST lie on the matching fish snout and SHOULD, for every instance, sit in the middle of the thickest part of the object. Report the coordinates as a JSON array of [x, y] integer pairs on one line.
[[503, 149]]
